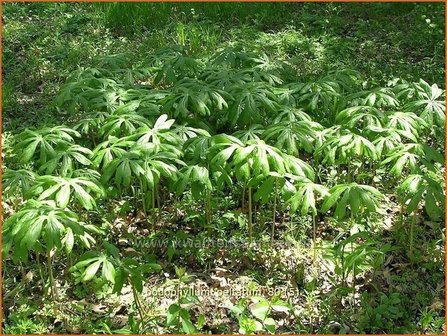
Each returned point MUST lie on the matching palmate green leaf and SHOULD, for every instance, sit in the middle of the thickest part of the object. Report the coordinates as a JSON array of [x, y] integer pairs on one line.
[[252, 102], [255, 158], [305, 196], [41, 144], [222, 148], [386, 140], [110, 149], [260, 309], [360, 117], [264, 158], [144, 164], [360, 199], [408, 122], [288, 96], [298, 167], [135, 272], [290, 114], [185, 132], [66, 159], [197, 177], [64, 189], [91, 262], [427, 189], [411, 157], [319, 95], [68, 240], [254, 132], [291, 137], [172, 314], [404, 90], [197, 148], [343, 146], [159, 133], [41, 222], [89, 125], [377, 97], [430, 103], [225, 78], [266, 186], [192, 97], [123, 124], [172, 63], [187, 325], [233, 56], [271, 77], [17, 180]]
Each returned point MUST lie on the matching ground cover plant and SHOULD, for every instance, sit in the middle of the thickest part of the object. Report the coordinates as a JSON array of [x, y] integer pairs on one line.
[[234, 190]]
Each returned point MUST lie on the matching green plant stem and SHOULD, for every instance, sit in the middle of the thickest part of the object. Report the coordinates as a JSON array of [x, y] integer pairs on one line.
[[353, 264], [143, 198], [274, 212], [158, 203], [250, 223], [53, 289], [208, 210], [412, 223], [314, 235], [343, 273], [138, 303], [93, 139], [153, 209], [243, 199], [39, 267]]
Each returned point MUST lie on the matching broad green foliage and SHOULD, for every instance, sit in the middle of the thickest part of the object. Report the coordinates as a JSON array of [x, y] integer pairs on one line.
[[114, 269], [359, 198], [43, 223], [203, 124], [305, 196], [66, 159], [429, 103], [143, 164], [14, 181], [239, 130], [416, 188], [43, 144], [343, 146], [413, 157], [65, 189], [195, 176]]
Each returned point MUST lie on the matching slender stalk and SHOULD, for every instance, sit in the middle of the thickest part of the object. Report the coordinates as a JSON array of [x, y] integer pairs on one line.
[[250, 224], [53, 289], [22, 270], [243, 198], [412, 223], [93, 139], [314, 235], [143, 198], [353, 265], [208, 210], [343, 280], [291, 219], [153, 209], [39, 267], [137, 303], [353, 284], [69, 264], [158, 203], [274, 212]]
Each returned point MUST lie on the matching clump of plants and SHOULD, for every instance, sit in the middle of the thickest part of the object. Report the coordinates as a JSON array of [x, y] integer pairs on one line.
[[239, 124]]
